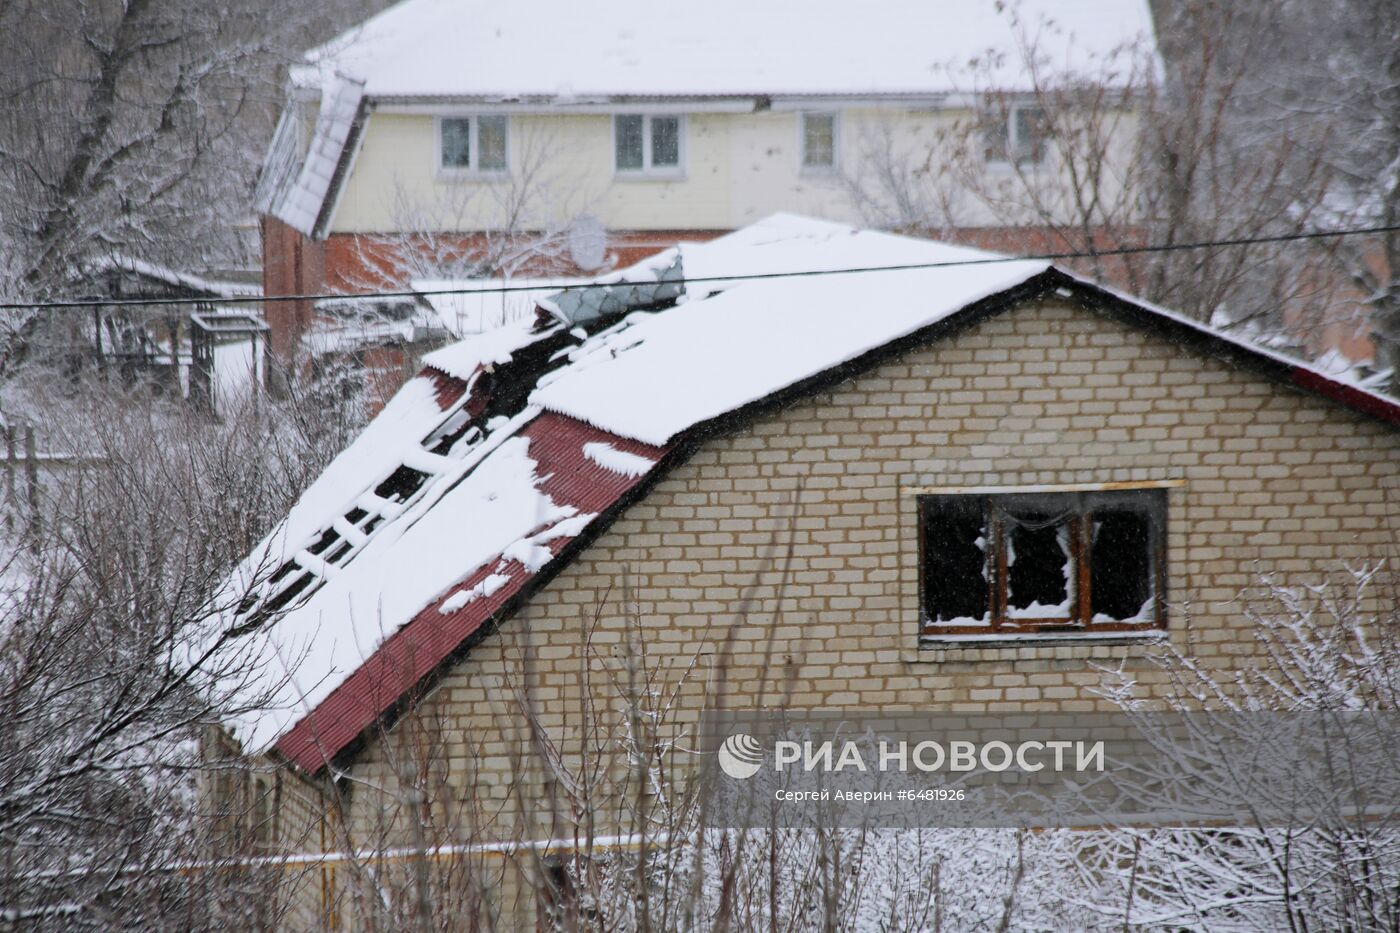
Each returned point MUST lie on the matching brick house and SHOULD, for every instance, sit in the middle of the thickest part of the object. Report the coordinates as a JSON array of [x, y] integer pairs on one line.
[[513, 142], [818, 477]]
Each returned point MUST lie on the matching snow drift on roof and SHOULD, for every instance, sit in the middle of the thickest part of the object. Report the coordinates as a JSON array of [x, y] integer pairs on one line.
[[400, 572], [294, 189], [589, 48], [665, 373], [205, 284]]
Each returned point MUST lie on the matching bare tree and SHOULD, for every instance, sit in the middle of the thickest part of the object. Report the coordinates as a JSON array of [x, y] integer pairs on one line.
[[1323, 86], [1214, 136], [1332, 647], [588, 816], [134, 128], [517, 224], [115, 670]]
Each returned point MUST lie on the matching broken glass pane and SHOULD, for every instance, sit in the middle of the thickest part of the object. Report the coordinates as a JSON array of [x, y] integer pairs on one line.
[[1120, 566], [955, 561], [1039, 561]]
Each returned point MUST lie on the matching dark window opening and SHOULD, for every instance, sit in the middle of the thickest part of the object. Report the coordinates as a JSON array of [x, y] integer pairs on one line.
[[1040, 579], [562, 908], [283, 598], [328, 537], [282, 572], [401, 484], [1120, 561], [1024, 564], [956, 563]]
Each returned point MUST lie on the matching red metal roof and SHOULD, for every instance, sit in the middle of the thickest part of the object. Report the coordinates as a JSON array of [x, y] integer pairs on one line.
[[568, 477], [1377, 406], [446, 389]]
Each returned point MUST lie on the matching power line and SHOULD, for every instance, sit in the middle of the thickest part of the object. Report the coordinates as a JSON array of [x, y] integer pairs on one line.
[[805, 273]]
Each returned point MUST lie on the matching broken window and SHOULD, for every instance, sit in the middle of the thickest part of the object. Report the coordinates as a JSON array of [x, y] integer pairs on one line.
[[1046, 562]]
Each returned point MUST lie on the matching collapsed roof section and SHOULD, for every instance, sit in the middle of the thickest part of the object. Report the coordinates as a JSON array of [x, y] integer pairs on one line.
[[514, 448], [585, 305], [445, 480]]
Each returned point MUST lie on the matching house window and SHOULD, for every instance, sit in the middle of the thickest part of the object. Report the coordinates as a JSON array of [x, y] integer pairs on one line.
[[647, 144], [818, 142], [473, 144], [1041, 563], [1016, 136]]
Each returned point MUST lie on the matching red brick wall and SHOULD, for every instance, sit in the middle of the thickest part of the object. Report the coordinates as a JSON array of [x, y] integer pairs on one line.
[[360, 262], [293, 264], [296, 265]]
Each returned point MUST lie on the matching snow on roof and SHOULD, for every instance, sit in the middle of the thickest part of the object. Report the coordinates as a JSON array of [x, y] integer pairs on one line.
[[582, 49], [767, 333], [442, 539], [214, 288], [294, 188], [469, 484]]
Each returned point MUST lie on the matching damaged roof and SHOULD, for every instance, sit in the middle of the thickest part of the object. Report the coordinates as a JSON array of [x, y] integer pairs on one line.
[[514, 448]]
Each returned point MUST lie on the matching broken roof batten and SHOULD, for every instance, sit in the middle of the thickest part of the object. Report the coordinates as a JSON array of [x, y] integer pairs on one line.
[[652, 288]]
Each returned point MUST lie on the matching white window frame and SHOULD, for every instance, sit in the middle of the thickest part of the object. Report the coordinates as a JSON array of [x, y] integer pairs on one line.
[[470, 170], [802, 167], [1008, 159], [648, 170]]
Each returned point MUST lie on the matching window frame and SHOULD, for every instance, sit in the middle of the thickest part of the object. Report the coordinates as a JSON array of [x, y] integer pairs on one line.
[[648, 170], [803, 167], [1010, 155], [472, 169], [1151, 500]]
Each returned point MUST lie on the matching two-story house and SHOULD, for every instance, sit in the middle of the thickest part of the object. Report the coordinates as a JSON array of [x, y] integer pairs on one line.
[[517, 137]]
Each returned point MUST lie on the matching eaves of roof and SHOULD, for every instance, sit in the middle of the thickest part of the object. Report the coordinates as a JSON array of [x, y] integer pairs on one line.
[[432, 642]]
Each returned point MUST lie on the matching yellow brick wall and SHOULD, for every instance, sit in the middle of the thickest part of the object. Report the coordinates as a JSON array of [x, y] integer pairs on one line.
[[791, 542]]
